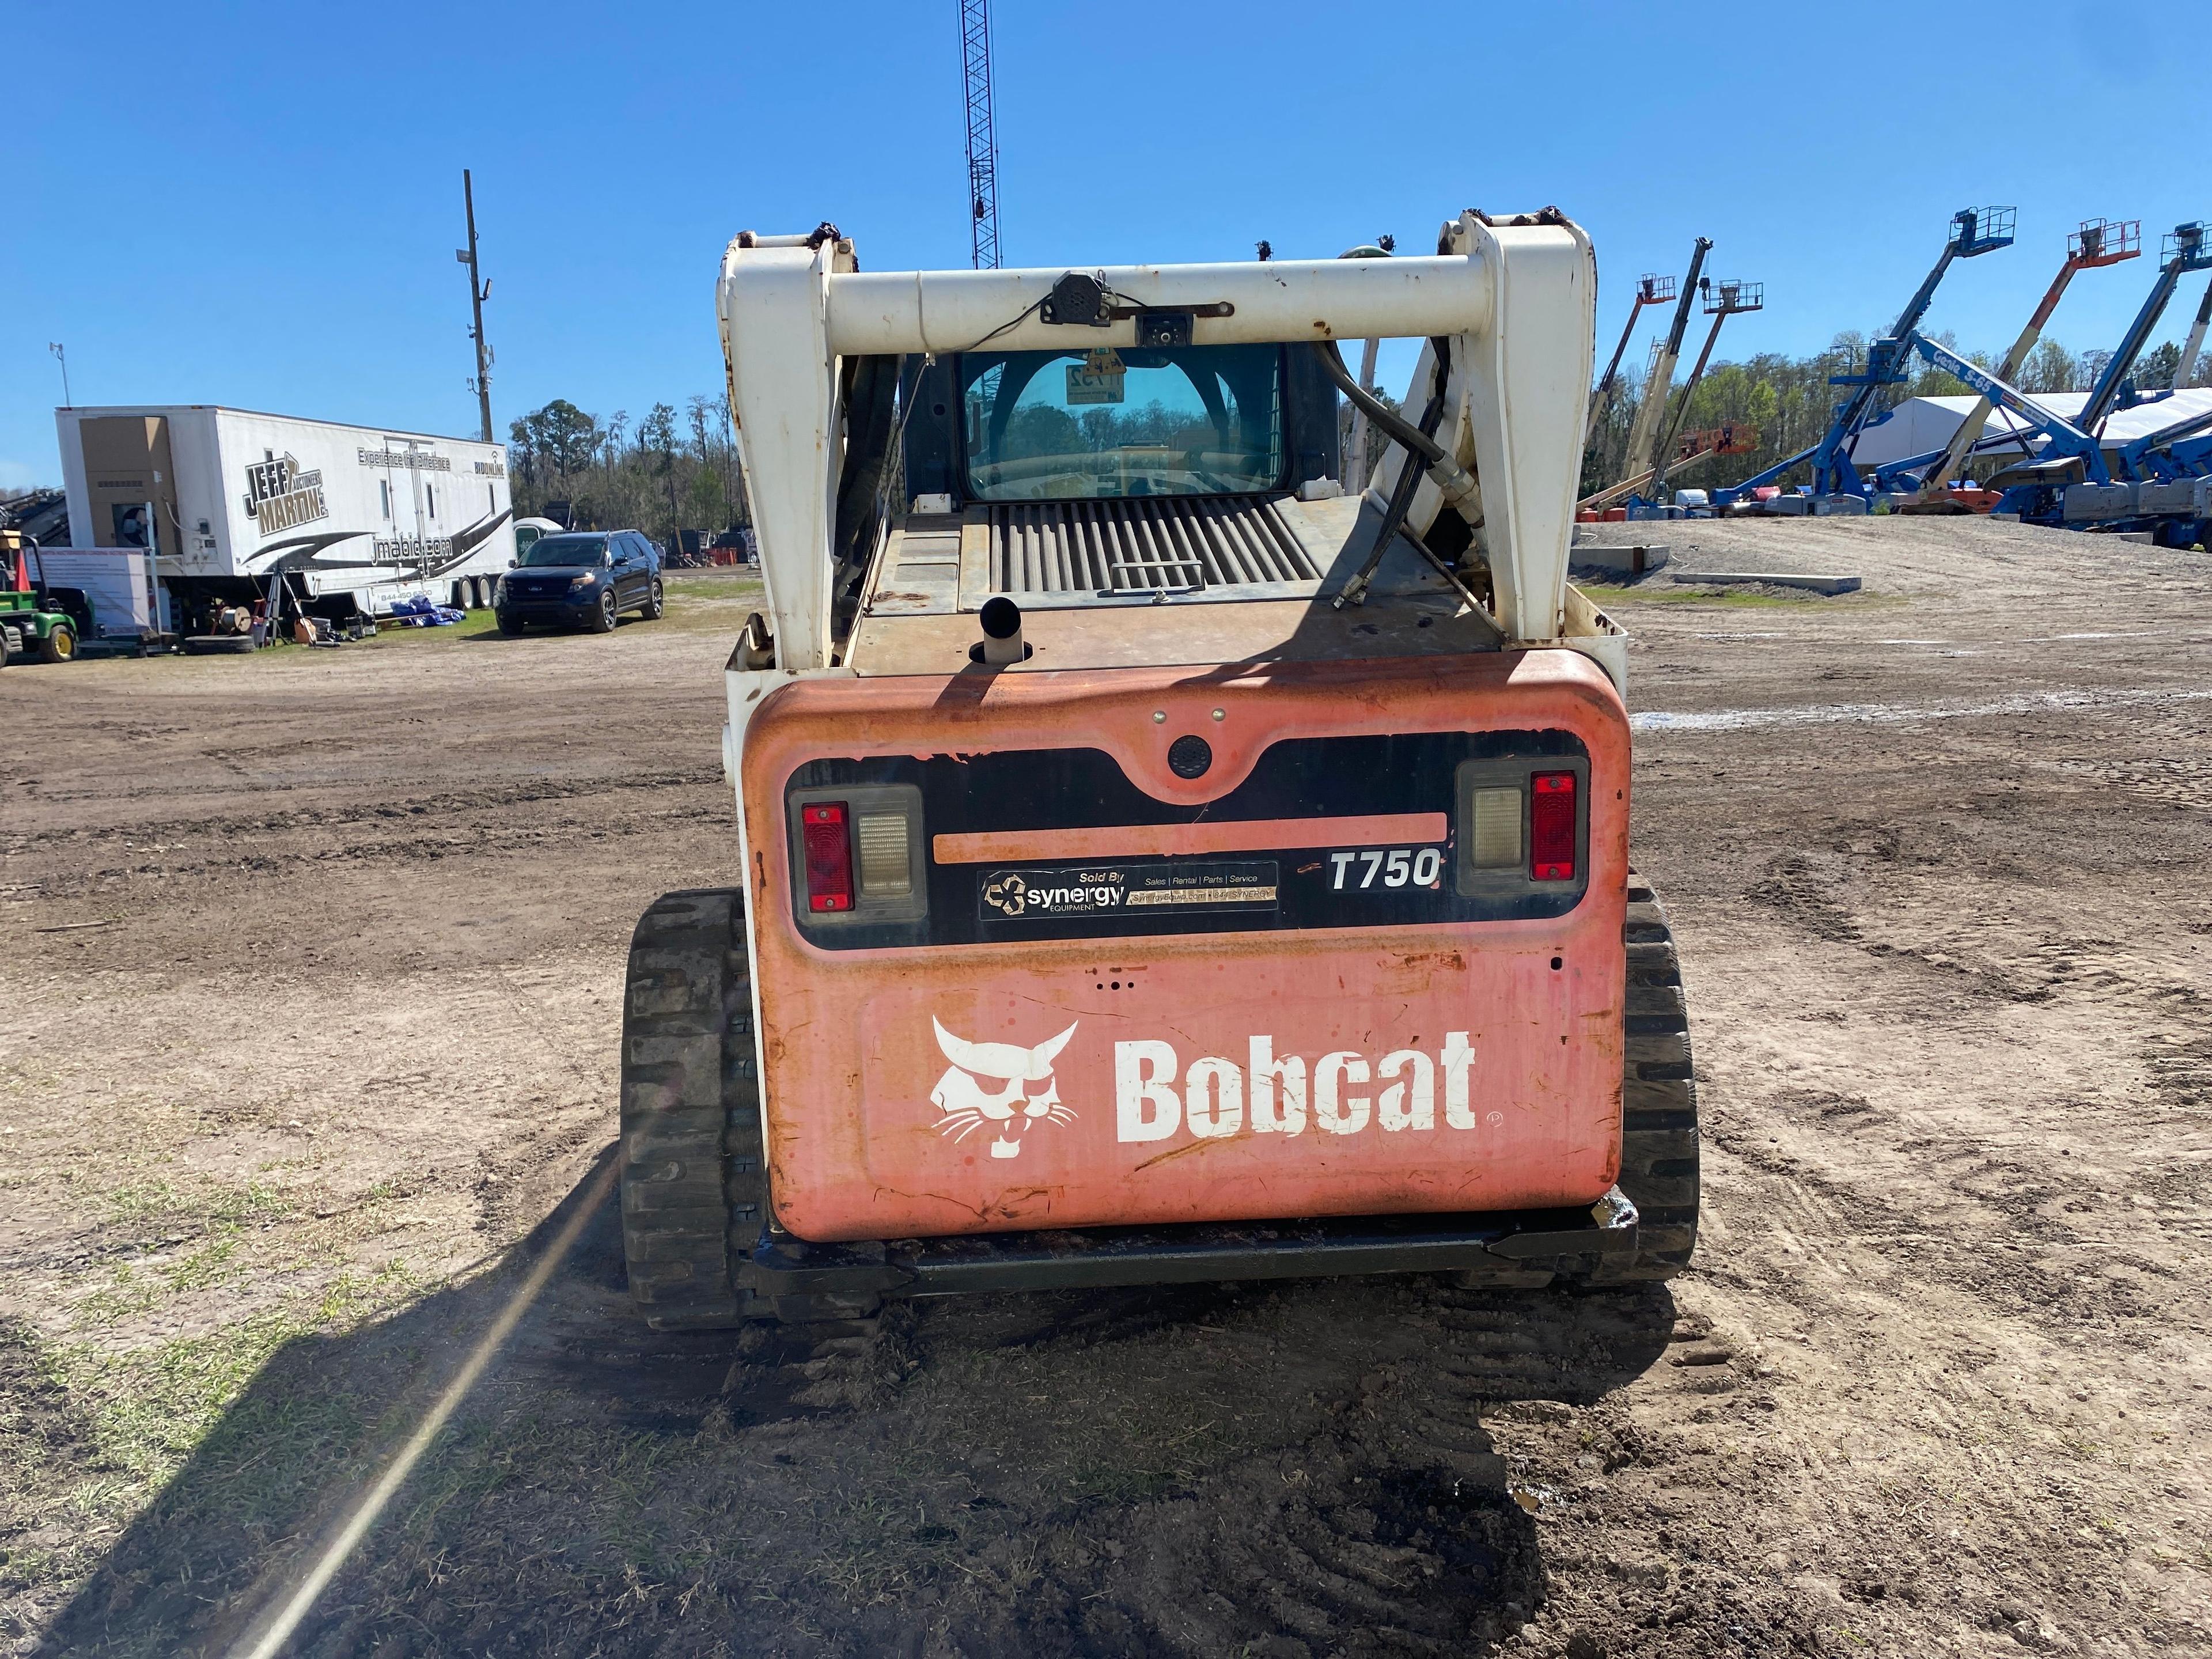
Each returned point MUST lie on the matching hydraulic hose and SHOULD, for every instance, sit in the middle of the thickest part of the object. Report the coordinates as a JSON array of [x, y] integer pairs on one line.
[[1419, 442], [1440, 467]]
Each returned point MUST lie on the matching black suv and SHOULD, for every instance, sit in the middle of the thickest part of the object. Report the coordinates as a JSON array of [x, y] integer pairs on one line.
[[582, 578]]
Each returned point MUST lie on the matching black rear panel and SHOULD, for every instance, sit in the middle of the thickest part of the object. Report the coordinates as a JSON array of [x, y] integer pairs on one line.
[[1247, 889]]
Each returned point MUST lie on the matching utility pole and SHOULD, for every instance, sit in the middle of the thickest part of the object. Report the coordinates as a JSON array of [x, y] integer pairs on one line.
[[478, 293], [982, 134], [62, 357]]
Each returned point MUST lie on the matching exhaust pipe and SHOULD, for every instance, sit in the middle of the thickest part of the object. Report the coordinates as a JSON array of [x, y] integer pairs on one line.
[[1001, 643]]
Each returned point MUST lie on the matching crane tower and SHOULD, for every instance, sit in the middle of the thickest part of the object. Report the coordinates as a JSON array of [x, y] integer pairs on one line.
[[983, 139]]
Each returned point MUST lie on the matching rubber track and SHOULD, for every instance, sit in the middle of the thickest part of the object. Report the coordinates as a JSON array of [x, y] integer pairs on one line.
[[692, 1175], [1659, 1100], [693, 1181]]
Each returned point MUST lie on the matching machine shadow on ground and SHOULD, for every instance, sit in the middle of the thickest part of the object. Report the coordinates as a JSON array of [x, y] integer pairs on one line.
[[1095, 1473]]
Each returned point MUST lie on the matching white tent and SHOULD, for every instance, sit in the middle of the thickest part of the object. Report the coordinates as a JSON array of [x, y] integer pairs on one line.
[[1921, 424]]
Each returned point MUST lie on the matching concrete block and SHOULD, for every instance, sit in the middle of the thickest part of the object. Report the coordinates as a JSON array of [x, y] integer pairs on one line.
[[1830, 584], [1633, 560]]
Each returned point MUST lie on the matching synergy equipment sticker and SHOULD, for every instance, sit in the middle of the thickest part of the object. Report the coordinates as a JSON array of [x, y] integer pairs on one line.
[[1149, 890]]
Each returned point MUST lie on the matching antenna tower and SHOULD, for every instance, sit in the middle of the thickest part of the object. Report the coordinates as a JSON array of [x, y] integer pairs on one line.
[[982, 138]]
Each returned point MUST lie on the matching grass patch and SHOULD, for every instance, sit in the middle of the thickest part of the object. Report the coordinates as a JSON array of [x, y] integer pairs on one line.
[[210, 1202], [132, 1291], [1729, 598], [212, 1214], [177, 1464], [476, 621], [713, 600], [152, 1407], [717, 584], [90, 1438], [149, 1409]]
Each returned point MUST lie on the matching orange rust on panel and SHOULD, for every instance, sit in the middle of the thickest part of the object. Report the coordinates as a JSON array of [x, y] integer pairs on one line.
[[1184, 840], [1533, 1127], [1162, 1158], [1451, 960]]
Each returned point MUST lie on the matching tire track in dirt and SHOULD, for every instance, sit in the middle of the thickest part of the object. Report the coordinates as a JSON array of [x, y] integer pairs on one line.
[[1911, 1402]]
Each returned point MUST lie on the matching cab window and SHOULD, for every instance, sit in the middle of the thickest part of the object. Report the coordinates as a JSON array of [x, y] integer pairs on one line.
[[1121, 421]]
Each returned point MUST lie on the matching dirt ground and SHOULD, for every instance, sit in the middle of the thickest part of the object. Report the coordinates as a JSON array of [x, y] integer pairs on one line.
[[310, 1015]]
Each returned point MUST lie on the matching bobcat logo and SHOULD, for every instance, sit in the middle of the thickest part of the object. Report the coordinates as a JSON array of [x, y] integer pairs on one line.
[[1028, 1092]]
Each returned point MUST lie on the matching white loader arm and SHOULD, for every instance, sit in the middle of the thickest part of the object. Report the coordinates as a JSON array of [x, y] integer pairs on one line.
[[1518, 301]]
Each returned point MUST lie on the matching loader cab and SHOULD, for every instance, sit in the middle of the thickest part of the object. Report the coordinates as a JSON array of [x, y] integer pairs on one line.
[[1093, 473], [1118, 423]]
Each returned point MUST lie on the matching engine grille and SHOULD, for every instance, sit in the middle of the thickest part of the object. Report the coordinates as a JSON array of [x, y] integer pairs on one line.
[[1143, 542]]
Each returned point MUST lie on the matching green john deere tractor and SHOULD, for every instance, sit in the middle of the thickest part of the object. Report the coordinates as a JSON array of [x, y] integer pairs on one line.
[[32, 620]]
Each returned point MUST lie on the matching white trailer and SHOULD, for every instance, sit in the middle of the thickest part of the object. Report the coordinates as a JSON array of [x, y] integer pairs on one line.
[[353, 518]]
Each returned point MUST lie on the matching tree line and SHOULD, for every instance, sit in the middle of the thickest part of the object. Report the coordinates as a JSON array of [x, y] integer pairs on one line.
[[670, 472], [675, 470], [1790, 401]]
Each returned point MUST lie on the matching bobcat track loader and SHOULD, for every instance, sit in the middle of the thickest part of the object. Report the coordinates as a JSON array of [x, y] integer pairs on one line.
[[1161, 861]]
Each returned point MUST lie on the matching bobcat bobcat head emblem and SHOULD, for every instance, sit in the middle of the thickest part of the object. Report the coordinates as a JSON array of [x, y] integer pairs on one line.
[[1027, 1092]]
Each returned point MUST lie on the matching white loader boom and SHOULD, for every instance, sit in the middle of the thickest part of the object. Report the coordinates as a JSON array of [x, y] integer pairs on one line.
[[1515, 299]]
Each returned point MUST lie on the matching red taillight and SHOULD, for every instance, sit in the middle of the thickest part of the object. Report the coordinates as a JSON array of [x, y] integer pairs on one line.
[[1551, 827], [829, 856]]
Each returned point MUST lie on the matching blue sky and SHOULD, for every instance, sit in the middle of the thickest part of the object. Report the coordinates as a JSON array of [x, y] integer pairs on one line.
[[258, 206]]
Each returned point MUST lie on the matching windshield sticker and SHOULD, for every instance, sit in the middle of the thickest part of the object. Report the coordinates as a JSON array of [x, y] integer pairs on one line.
[[1100, 378]]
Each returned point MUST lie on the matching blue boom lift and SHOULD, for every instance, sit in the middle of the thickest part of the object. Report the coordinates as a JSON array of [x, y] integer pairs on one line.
[[2159, 483], [2074, 451], [2098, 243], [2183, 450], [1974, 232]]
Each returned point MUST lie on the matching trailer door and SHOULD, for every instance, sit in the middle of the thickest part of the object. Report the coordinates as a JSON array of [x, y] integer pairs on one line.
[[400, 502], [127, 470]]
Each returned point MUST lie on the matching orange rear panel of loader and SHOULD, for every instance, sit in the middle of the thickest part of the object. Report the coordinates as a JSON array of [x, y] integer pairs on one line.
[[1111, 1013]]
